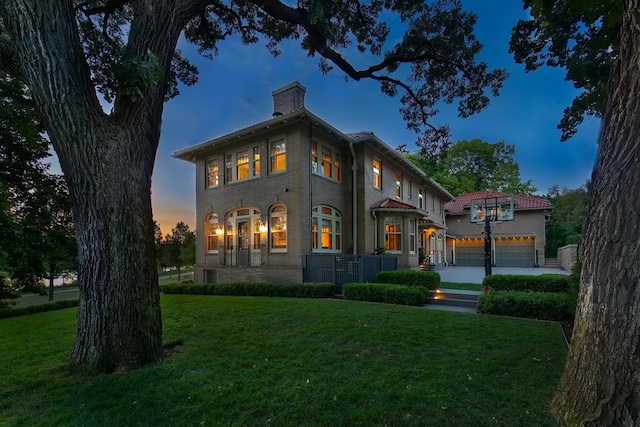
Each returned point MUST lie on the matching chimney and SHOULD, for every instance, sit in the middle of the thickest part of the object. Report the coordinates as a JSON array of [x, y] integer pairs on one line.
[[288, 98]]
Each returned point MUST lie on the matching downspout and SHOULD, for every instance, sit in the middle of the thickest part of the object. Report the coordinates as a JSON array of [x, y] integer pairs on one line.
[[375, 228], [354, 197]]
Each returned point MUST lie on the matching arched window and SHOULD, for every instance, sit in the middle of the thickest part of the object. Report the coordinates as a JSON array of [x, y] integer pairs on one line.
[[278, 221], [326, 229], [212, 232]]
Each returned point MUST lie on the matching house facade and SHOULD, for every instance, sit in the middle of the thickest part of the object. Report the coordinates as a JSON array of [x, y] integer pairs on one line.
[[516, 243], [276, 191]]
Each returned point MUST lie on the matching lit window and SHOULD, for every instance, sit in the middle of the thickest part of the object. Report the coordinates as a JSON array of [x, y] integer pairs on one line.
[[213, 173], [393, 234], [228, 164], [398, 186], [212, 227], [242, 165], [278, 156], [278, 228], [377, 182], [326, 233], [329, 165]]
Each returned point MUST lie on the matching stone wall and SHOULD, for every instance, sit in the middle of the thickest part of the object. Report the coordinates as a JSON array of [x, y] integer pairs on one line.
[[567, 256]]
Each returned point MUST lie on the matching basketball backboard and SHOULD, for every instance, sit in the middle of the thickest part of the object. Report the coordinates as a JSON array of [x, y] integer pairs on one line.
[[498, 208]]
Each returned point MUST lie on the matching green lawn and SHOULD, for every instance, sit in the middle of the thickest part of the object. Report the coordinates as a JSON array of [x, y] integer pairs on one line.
[[292, 362]]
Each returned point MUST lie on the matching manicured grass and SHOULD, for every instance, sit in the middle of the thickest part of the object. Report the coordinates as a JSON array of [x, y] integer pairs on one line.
[[292, 362], [461, 286]]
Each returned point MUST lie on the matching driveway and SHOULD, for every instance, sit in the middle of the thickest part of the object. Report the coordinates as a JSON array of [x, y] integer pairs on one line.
[[456, 274]]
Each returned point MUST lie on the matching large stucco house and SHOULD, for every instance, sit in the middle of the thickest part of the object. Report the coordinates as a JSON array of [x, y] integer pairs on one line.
[[516, 243], [274, 192]]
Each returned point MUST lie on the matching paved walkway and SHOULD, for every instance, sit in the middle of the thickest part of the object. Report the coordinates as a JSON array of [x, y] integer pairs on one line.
[[455, 274]]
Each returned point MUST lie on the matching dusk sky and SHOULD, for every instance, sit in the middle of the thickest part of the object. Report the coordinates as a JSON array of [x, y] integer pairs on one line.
[[234, 91]]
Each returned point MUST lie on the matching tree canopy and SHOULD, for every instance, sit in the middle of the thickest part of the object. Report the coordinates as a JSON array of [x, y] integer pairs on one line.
[[475, 165], [68, 51], [579, 35], [565, 224]]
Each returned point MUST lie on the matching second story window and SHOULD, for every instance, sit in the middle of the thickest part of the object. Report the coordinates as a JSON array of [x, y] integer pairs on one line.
[[243, 164], [377, 167], [420, 199], [398, 186], [329, 165], [278, 156], [213, 173]]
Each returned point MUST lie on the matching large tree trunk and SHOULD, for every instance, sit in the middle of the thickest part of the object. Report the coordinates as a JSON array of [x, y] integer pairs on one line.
[[600, 385], [107, 161]]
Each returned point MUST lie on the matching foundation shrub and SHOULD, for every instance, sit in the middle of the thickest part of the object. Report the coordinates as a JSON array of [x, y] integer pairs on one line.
[[536, 305], [513, 282], [428, 279], [386, 293], [50, 306], [291, 290]]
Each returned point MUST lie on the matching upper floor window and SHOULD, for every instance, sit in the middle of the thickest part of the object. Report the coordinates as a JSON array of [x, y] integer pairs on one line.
[[242, 164], [213, 173], [278, 228], [329, 165], [326, 233], [377, 168], [278, 155], [420, 199], [398, 186], [212, 232], [393, 234]]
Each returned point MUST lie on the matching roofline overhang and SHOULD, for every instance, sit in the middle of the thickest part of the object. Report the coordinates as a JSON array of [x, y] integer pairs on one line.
[[189, 154]]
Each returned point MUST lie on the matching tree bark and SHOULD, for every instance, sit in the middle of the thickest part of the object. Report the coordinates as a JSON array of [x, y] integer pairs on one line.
[[108, 162], [600, 385]]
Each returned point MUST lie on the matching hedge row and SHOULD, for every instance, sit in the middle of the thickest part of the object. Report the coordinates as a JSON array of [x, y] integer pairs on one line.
[[50, 306], [541, 283], [428, 279], [290, 290], [536, 305], [386, 292]]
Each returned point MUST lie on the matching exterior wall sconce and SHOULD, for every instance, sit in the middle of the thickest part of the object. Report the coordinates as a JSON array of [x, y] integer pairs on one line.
[[262, 228], [219, 231]]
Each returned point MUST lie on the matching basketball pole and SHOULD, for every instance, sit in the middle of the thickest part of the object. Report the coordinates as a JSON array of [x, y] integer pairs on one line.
[[487, 245]]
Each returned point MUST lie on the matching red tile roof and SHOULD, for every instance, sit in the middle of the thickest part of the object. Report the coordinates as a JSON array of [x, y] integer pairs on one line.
[[520, 202], [392, 204]]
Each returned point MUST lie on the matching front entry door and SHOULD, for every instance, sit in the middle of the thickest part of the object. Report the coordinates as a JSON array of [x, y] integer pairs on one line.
[[243, 242]]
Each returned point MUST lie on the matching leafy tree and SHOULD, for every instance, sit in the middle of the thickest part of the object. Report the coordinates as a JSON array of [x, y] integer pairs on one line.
[[37, 237], [66, 51], [600, 384], [579, 35], [475, 165], [565, 224], [179, 247]]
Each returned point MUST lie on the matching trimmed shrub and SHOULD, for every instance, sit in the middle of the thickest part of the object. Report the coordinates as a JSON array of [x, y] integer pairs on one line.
[[428, 279], [50, 306], [513, 282], [386, 292], [536, 305], [290, 290]]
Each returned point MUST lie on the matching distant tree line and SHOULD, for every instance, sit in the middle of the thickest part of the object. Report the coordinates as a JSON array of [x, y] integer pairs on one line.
[[177, 249]]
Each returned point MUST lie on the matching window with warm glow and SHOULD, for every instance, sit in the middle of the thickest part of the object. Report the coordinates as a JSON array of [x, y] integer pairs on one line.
[[377, 167], [278, 156], [213, 173], [393, 234], [256, 161], [326, 233], [278, 228], [329, 163], [211, 226]]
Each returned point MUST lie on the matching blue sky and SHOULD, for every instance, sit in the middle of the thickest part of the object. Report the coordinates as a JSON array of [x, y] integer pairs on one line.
[[234, 91]]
